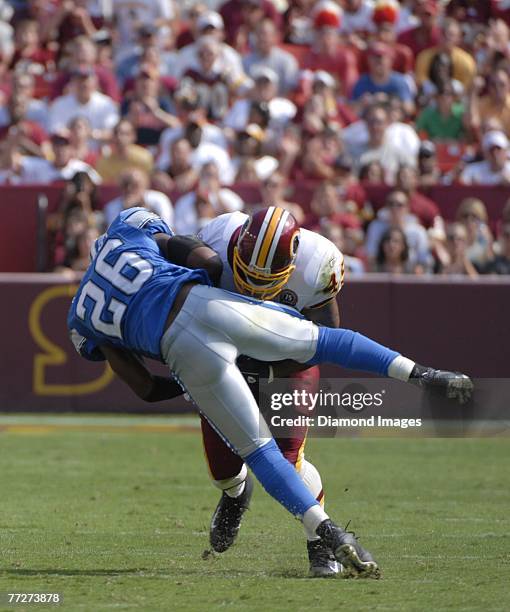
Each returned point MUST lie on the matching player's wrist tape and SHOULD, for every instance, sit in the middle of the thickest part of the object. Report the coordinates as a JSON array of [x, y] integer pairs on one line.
[[164, 389]]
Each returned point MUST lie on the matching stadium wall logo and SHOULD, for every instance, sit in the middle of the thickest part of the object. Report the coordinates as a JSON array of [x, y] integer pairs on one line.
[[53, 355]]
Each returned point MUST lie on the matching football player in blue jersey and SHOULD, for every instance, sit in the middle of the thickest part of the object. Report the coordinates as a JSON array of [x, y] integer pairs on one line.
[[137, 299]]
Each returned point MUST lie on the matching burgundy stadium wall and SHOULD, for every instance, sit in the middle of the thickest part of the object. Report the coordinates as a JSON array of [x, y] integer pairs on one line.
[[19, 211], [462, 325]]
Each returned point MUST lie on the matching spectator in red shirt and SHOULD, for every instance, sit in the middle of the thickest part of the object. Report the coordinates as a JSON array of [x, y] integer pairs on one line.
[[41, 11], [84, 57], [80, 135], [72, 19], [30, 137], [211, 77], [347, 185], [424, 208], [234, 13], [31, 57], [189, 29], [319, 156], [146, 110], [385, 18], [470, 11], [273, 192], [330, 55], [24, 85], [428, 33], [179, 174], [151, 58], [28, 46], [328, 207], [323, 87]]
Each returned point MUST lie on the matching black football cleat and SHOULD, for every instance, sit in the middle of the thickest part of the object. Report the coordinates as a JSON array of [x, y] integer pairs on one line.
[[322, 561], [455, 385], [226, 519], [356, 562]]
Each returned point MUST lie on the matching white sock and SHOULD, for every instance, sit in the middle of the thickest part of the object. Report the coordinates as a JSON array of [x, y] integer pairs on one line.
[[401, 368], [234, 486], [236, 490], [312, 479], [312, 518]]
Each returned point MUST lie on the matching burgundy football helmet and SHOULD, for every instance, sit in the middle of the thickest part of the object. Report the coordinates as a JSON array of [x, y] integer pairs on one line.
[[264, 255]]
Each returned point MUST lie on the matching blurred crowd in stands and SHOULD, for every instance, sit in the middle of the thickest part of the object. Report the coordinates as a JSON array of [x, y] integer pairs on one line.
[[178, 103]]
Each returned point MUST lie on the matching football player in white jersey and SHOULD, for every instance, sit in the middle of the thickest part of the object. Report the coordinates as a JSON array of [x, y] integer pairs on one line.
[[269, 257], [137, 299]]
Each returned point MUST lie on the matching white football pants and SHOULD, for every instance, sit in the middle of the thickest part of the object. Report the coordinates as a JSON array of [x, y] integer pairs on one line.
[[202, 344]]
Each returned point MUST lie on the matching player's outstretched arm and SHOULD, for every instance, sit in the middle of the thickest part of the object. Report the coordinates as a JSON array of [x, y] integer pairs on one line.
[[191, 252], [131, 369]]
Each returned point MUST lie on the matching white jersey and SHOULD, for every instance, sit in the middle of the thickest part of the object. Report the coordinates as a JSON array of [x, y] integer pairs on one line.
[[319, 270]]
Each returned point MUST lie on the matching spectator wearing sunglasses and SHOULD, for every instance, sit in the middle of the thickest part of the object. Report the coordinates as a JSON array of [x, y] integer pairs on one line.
[[396, 213], [472, 214], [455, 259]]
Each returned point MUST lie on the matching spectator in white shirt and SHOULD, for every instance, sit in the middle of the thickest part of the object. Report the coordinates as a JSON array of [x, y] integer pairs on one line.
[[357, 17], [85, 100], [189, 108], [20, 170], [134, 188], [196, 208], [265, 89], [203, 152], [130, 16], [210, 23], [267, 54], [23, 84], [377, 138], [495, 168]]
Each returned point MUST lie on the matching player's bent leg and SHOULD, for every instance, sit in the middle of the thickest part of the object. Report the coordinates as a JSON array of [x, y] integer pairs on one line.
[[226, 468], [204, 338], [312, 479], [225, 398], [322, 561], [266, 332], [229, 473]]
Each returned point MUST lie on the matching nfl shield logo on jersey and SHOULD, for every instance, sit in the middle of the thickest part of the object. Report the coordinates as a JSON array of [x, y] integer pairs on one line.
[[288, 297]]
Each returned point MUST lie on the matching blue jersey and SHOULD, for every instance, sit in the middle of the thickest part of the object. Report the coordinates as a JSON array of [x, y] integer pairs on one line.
[[128, 290]]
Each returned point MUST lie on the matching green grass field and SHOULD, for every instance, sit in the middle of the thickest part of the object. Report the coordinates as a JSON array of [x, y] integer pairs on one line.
[[118, 519]]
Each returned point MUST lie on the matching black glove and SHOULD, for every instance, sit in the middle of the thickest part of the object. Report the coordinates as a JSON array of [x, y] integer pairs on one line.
[[455, 385]]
